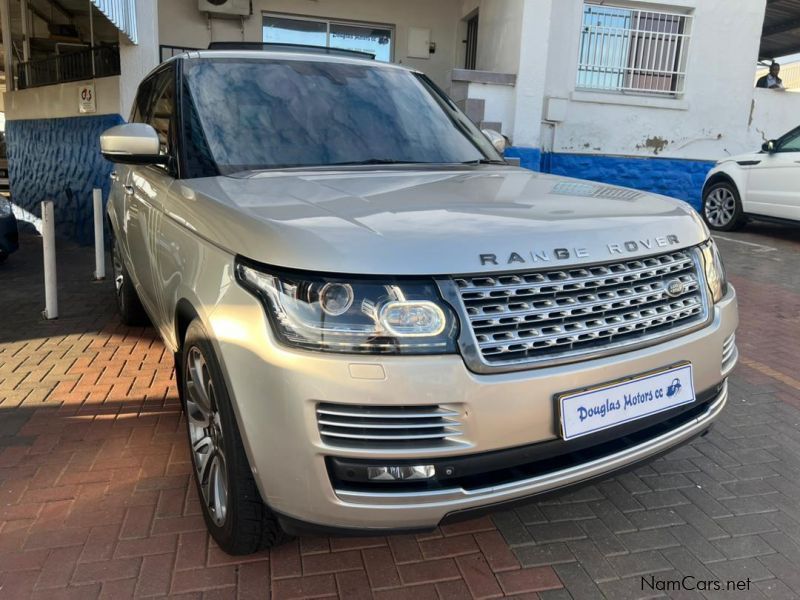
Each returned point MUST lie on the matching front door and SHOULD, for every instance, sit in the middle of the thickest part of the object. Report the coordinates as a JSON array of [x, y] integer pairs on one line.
[[773, 187], [145, 189]]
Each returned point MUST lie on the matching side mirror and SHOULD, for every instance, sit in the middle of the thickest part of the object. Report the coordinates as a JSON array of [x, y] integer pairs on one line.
[[768, 146], [498, 139], [132, 144]]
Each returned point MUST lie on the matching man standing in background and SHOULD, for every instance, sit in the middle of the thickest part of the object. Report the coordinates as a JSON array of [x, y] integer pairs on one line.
[[771, 80]]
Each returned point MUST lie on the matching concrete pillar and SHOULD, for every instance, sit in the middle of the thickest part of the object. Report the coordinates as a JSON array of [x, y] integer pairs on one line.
[[5, 27], [532, 74], [136, 60]]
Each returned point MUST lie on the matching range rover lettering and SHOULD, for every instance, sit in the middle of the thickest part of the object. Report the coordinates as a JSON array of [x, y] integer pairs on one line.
[[380, 325]]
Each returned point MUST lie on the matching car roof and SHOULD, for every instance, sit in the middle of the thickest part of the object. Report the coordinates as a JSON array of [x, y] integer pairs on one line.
[[288, 47], [284, 55]]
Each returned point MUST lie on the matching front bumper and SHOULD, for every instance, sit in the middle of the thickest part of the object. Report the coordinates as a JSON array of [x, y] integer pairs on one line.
[[276, 393]]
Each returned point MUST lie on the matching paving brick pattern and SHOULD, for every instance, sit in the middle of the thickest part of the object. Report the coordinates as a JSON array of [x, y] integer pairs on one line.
[[96, 499]]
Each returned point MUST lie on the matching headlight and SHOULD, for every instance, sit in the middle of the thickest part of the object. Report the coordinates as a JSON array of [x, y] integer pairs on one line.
[[715, 271], [5, 208], [364, 316]]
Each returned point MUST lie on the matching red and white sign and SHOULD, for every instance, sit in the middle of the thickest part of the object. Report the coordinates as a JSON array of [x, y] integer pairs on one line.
[[86, 98]]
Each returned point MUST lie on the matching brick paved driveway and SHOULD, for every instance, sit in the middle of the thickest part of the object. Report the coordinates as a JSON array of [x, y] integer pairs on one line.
[[94, 475]]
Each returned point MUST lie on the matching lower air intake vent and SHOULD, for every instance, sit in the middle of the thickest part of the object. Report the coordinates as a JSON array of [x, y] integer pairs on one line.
[[388, 427]]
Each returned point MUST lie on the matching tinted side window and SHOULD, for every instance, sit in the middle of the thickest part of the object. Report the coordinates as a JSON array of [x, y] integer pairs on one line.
[[199, 161], [141, 102], [162, 108], [790, 143]]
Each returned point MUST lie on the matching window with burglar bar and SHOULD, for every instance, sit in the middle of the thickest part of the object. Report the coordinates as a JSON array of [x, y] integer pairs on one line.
[[633, 51]]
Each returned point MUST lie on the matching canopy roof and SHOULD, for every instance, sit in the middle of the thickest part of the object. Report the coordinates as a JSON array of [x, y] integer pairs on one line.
[[781, 33]]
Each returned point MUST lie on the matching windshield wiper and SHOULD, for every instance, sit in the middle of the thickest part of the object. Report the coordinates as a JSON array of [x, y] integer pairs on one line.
[[376, 161], [357, 163]]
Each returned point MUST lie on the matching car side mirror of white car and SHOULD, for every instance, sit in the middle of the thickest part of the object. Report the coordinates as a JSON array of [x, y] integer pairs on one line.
[[498, 139], [133, 144], [768, 146]]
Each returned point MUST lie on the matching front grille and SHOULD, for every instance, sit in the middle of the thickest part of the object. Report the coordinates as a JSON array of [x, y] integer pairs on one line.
[[388, 427], [559, 314]]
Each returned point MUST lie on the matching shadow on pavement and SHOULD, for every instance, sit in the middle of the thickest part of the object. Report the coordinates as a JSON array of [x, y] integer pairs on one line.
[[85, 305]]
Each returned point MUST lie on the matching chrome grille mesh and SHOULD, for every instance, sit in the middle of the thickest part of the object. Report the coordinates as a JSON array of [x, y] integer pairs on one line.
[[529, 317], [387, 427]]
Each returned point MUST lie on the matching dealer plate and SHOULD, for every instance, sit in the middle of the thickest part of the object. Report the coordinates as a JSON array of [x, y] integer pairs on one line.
[[612, 404]]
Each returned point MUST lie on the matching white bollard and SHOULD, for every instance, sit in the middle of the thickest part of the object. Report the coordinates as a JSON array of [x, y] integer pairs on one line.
[[49, 249], [99, 242]]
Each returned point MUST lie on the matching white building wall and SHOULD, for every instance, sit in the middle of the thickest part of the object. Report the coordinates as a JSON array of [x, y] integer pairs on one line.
[[499, 33], [773, 114], [513, 38], [500, 101], [535, 46], [181, 24], [138, 60], [58, 101], [708, 122]]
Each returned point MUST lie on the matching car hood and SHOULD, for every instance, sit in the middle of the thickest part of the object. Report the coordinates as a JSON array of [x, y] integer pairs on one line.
[[429, 222]]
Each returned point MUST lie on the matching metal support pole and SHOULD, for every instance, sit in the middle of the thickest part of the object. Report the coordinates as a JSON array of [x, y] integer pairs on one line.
[[99, 241], [26, 38], [8, 50], [91, 36], [26, 30], [49, 248]]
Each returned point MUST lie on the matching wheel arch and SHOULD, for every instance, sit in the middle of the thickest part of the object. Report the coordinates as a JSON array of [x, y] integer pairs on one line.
[[110, 224], [185, 313], [720, 177]]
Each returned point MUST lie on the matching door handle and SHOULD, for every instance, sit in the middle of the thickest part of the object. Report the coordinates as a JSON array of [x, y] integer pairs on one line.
[[113, 176], [128, 190]]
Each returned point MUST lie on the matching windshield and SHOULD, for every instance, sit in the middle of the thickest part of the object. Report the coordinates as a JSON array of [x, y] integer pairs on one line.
[[244, 114]]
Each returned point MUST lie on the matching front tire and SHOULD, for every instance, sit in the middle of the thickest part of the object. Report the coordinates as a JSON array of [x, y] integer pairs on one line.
[[234, 512], [722, 207]]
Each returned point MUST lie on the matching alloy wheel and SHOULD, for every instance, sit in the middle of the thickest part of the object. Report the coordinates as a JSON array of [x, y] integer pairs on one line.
[[720, 207], [205, 436]]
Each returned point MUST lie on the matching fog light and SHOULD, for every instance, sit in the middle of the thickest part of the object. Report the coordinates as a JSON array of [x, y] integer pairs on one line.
[[402, 473]]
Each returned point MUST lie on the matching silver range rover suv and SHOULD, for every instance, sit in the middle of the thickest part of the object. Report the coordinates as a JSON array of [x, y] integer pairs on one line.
[[379, 325]]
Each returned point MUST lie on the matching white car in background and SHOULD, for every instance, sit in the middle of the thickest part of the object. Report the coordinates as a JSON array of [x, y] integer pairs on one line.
[[763, 185]]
